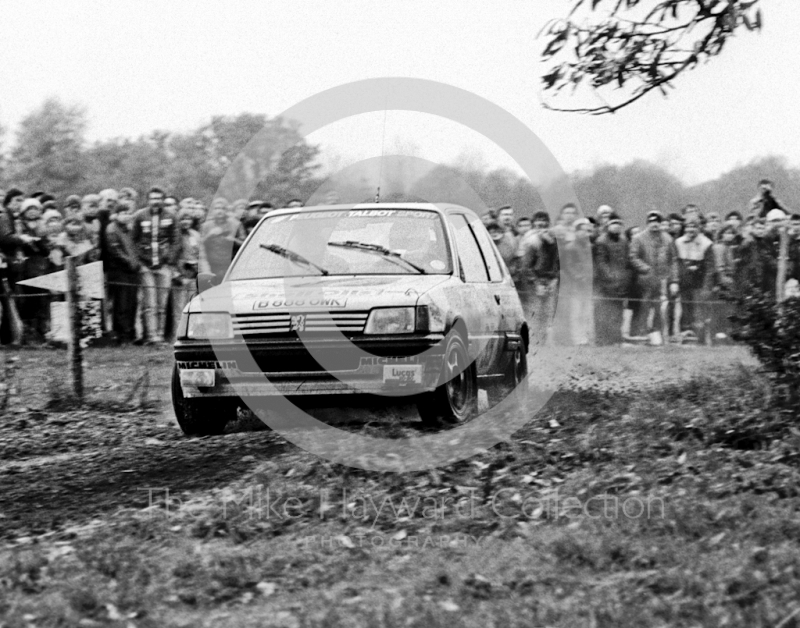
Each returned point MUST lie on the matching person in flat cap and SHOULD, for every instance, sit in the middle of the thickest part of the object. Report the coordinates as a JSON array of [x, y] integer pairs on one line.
[[653, 257]]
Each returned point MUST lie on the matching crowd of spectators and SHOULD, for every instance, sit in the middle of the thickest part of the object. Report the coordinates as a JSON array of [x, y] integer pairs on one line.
[[676, 278], [676, 275], [151, 255]]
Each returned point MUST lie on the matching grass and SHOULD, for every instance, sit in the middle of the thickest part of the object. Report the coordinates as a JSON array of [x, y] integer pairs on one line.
[[550, 529]]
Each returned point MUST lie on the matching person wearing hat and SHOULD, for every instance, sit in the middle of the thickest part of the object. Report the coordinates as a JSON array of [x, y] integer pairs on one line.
[[652, 255], [613, 275]]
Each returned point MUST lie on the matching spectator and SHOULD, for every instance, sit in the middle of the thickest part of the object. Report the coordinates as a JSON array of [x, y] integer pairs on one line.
[[123, 267], [523, 225], [71, 204], [694, 278], [726, 259], [219, 241], [249, 223], [75, 240], [264, 209], [11, 240], [489, 216], [506, 244], [294, 202], [238, 208], [201, 213], [603, 215], [734, 218], [757, 261], [188, 264], [34, 308], [252, 209], [128, 197], [578, 281], [614, 274], [765, 202], [675, 225], [653, 258], [171, 203], [505, 216], [156, 237], [540, 271], [633, 297]]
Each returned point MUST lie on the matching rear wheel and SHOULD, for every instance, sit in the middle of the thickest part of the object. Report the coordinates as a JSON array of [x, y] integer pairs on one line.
[[455, 400], [203, 416]]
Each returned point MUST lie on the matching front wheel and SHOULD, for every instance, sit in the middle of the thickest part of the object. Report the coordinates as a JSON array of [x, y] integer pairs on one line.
[[455, 400], [202, 416]]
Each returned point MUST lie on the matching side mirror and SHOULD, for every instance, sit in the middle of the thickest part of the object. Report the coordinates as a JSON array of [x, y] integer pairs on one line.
[[206, 281]]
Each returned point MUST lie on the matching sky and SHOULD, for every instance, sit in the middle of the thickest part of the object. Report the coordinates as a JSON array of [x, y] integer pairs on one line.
[[137, 66]]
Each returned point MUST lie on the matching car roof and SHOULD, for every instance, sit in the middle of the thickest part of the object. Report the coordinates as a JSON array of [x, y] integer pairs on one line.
[[436, 207]]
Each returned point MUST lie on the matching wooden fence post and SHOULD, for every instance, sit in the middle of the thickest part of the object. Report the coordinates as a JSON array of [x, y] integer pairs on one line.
[[75, 353], [783, 255]]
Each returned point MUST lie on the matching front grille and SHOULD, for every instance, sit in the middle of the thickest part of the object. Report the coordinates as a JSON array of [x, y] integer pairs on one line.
[[286, 323]]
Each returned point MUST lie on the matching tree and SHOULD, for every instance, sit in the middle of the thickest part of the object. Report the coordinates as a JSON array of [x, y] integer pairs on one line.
[[49, 149], [637, 46]]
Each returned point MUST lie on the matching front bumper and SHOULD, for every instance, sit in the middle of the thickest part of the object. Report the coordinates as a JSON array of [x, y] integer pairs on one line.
[[295, 367]]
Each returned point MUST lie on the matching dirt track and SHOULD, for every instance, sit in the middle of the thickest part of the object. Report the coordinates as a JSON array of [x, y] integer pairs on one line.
[[64, 467]]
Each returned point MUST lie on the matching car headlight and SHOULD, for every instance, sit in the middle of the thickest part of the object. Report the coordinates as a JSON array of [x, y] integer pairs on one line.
[[390, 320], [204, 326]]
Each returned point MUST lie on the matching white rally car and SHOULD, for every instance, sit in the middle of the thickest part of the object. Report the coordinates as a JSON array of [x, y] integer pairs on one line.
[[390, 299]]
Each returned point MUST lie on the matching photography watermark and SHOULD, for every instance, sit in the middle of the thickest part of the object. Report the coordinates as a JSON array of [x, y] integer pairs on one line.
[[269, 403], [260, 503]]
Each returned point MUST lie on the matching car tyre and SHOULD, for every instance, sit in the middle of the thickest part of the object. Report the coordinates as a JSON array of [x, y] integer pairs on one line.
[[204, 416], [455, 400]]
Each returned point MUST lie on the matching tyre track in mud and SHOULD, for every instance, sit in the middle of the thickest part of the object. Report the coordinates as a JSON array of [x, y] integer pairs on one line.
[[69, 468]]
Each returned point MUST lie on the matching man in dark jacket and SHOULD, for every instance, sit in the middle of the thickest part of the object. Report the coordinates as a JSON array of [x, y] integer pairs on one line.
[[540, 270], [10, 243], [156, 236], [122, 267], [613, 274], [758, 264]]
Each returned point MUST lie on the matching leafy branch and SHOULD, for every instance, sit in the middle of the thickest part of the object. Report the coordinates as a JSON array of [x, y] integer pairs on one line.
[[635, 51]]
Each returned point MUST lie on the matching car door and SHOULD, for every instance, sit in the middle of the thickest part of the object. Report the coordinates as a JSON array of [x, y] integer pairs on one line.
[[478, 306], [502, 289]]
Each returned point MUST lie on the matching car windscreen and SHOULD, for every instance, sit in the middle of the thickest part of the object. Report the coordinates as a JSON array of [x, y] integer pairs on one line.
[[345, 242]]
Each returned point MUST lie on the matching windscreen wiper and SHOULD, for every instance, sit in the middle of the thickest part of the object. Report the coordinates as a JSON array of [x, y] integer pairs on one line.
[[387, 254], [293, 257]]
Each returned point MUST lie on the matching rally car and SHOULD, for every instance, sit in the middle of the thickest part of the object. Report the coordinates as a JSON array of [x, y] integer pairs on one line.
[[390, 299]]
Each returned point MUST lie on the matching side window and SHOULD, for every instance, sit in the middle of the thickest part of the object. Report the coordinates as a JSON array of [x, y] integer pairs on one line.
[[468, 252], [488, 250]]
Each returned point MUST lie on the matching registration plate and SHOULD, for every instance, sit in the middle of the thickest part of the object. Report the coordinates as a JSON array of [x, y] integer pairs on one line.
[[402, 374]]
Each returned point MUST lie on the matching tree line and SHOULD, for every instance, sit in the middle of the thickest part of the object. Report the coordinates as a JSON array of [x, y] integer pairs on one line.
[[50, 153]]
